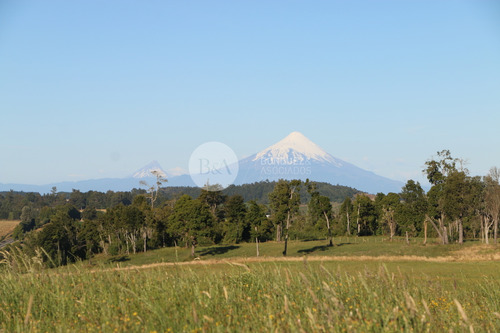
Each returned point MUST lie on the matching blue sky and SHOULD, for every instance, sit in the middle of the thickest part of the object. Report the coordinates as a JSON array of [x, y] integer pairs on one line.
[[94, 89]]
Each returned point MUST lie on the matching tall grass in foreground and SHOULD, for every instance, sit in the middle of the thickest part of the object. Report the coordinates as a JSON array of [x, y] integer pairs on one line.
[[268, 297]]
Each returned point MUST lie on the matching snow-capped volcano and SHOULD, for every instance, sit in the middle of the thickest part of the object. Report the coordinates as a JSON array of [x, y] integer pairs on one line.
[[147, 171], [293, 149], [297, 157]]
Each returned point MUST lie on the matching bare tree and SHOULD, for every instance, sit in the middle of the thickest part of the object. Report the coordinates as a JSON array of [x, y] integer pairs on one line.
[[154, 189], [492, 204], [388, 217]]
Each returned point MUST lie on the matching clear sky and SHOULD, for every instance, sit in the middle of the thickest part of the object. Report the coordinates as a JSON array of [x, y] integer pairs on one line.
[[94, 89]]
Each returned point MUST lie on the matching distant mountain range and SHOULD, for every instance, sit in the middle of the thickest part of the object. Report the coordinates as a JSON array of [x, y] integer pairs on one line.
[[294, 157]]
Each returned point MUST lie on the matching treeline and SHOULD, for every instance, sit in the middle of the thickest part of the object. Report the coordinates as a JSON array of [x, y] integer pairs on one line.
[[76, 225], [12, 203], [457, 207]]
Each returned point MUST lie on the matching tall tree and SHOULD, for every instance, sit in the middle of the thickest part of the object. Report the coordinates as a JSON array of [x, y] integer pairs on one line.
[[190, 220], [155, 188], [236, 228], [212, 196], [459, 201], [413, 209], [284, 201], [388, 205], [454, 196], [320, 208], [437, 171], [365, 215], [492, 203], [345, 216], [260, 225]]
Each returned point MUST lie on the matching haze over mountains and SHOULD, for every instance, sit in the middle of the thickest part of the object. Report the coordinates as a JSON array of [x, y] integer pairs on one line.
[[294, 157]]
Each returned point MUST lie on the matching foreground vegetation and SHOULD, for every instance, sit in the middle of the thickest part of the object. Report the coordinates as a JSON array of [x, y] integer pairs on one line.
[[255, 297], [361, 284]]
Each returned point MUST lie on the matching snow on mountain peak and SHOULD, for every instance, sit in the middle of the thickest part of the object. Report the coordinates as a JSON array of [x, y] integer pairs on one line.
[[147, 171], [295, 148]]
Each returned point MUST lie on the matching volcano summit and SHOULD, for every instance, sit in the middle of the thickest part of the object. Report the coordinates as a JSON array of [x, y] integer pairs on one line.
[[297, 157]]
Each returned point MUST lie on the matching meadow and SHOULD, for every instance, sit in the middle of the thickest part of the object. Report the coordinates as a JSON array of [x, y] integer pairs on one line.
[[230, 290]]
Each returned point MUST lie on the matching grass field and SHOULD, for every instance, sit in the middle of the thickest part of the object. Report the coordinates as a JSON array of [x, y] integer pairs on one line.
[[7, 227], [361, 247], [331, 290]]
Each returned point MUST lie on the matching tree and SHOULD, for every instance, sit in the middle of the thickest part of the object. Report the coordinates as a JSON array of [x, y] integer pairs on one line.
[[261, 227], [77, 199], [28, 216], [345, 215], [213, 197], [284, 201], [154, 189], [412, 211], [60, 238], [459, 200], [365, 214], [453, 197], [53, 195], [437, 171], [492, 204], [436, 214], [388, 205], [320, 208], [236, 228], [190, 220]]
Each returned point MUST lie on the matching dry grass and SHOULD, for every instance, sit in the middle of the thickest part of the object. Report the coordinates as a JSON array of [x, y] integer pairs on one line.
[[7, 227], [490, 251]]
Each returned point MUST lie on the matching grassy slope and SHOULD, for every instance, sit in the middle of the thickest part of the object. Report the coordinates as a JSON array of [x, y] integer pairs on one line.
[[353, 246], [270, 296]]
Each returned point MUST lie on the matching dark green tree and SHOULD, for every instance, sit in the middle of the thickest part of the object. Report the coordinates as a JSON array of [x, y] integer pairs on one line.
[[190, 220], [212, 196], [413, 209], [236, 228], [260, 225], [284, 201], [320, 209], [365, 215], [345, 218], [60, 240]]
